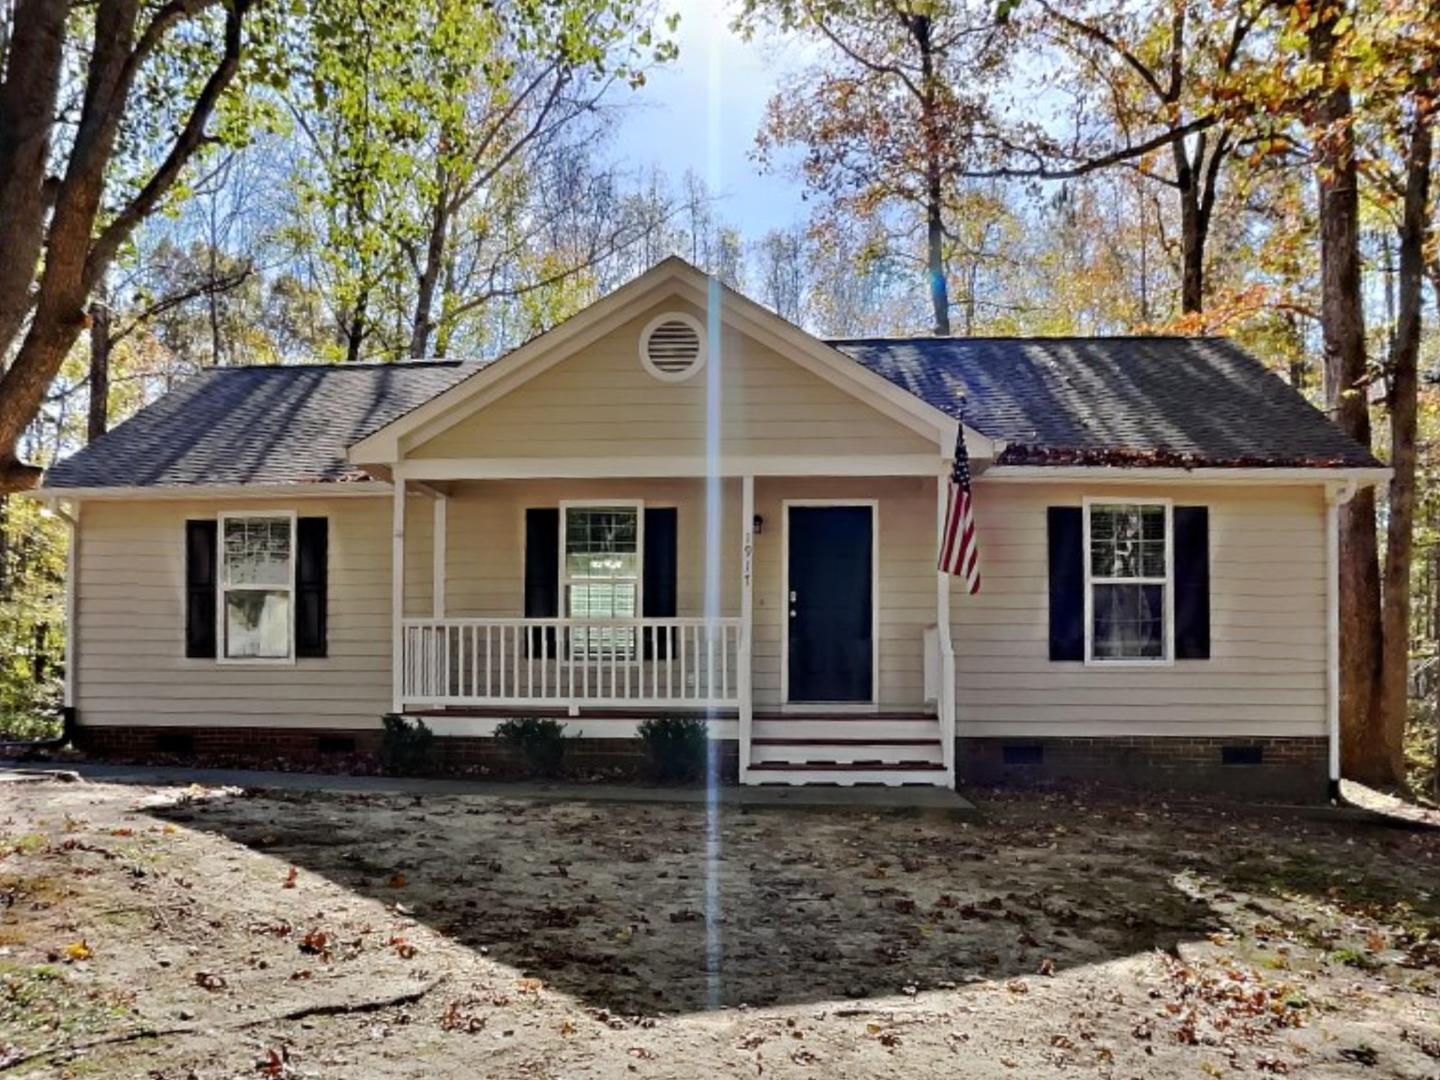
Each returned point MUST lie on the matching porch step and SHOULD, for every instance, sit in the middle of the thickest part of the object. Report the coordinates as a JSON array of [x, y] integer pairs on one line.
[[880, 752], [842, 775], [843, 729]]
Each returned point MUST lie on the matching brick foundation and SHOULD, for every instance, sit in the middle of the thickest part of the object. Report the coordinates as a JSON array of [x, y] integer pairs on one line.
[[1272, 769], [1288, 770], [357, 750]]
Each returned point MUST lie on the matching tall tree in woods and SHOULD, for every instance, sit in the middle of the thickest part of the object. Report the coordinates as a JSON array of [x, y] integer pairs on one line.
[[1402, 43], [1355, 83], [102, 108], [1150, 88], [426, 125], [888, 119]]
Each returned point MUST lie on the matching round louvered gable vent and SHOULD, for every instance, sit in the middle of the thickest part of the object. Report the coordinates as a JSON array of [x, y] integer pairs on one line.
[[672, 346]]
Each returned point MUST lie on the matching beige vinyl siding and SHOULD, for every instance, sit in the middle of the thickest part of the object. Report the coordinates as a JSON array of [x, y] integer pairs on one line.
[[132, 667], [602, 402], [485, 541], [1266, 674]]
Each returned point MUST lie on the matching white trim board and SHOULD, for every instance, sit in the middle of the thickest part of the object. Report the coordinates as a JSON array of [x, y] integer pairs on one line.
[[1168, 658], [221, 588], [346, 489], [612, 468], [786, 704], [1107, 474]]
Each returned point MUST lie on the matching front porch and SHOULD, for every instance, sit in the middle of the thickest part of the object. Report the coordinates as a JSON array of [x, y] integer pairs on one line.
[[469, 649]]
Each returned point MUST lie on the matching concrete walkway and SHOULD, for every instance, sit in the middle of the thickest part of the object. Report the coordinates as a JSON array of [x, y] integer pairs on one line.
[[928, 799]]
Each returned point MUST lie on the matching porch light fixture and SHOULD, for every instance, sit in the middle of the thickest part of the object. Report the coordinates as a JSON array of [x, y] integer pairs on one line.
[[758, 523]]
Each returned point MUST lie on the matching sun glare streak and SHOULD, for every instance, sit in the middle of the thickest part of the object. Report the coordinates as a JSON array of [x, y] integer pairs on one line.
[[713, 536]]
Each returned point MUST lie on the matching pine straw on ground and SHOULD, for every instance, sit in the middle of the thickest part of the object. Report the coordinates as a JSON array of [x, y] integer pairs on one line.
[[219, 933]]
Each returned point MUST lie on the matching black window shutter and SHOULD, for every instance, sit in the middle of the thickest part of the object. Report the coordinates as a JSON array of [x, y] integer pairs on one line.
[[542, 569], [1066, 530], [1192, 582], [312, 541], [200, 555], [661, 562]]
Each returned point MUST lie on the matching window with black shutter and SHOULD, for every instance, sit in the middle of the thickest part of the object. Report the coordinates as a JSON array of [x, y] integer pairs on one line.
[[312, 543], [1065, 529], [659, 566], [1192, 583], [201, 548], [542, 573]]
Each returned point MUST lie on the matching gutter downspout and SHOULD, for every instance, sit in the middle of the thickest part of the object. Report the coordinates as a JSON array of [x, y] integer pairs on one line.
[[1335, 497]]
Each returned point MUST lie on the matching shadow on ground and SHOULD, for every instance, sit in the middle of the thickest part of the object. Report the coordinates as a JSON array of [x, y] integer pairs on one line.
[[618, 905]]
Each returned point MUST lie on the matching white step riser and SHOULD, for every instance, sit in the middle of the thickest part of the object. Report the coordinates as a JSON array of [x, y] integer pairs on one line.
[[847, 754], [849, 777], [846, 729]]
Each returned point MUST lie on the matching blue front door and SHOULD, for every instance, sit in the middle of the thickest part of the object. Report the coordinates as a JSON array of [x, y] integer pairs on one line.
[[831, 604]]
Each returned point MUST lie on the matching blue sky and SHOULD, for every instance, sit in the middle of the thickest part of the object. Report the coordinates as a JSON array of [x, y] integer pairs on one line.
[[702, 113]]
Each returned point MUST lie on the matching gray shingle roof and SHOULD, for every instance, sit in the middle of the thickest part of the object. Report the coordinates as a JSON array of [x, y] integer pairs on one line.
[[1146, 401], [1130, 400], [256, 425]]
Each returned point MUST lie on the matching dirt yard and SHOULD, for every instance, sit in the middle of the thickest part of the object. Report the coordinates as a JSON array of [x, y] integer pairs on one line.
[[203, 933]]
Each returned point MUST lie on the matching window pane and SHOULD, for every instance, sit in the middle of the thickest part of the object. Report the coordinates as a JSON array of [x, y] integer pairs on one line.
[[257, 551], [257, 624], [1129, 622], [602, 601], [602, 543], [1127, 541]]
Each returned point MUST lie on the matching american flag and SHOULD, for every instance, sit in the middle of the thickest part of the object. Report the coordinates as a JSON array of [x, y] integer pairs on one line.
[[959, 548]]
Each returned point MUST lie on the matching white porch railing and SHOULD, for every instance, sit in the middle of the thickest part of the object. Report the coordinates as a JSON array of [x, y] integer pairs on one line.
[[689, 662]]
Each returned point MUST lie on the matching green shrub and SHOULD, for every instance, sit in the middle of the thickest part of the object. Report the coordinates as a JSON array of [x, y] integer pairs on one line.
[[406, 747], [539, 739], [677, 746]]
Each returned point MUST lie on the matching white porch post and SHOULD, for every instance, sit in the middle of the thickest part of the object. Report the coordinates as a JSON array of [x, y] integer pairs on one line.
[[437, 589], [397, 595], [747, 617], [945, 701]]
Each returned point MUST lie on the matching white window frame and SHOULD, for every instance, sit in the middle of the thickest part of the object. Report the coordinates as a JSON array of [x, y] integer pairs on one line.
[[1168, 581], [638, 505], [221, 588]]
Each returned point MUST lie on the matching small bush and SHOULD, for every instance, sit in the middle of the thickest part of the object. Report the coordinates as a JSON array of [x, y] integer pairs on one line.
[[406, 747], [540, 740], [677, 747]]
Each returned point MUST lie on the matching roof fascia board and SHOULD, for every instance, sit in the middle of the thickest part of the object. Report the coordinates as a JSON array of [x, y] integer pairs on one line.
[[454, 403], [351, 489], [699, 467], [1112, 474]]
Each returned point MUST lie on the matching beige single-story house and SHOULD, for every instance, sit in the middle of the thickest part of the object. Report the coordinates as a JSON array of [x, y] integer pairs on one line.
[[677, 503]]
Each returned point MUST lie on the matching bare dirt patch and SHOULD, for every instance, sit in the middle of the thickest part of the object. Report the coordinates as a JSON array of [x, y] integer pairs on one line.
[[157, 932]]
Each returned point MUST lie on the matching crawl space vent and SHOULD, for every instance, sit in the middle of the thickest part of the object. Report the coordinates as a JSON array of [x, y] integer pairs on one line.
[[672, 347]]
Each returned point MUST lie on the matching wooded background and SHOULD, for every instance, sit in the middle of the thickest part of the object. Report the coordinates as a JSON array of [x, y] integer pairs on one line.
[[186, 183]]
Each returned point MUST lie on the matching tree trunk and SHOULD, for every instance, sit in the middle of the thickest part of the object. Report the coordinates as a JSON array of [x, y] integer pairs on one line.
[[920, 28], [423, 323], [28, 104], [1363, 754], [355, 330], [75, 256], [97, 419], [1404, 403], [1192, 241]]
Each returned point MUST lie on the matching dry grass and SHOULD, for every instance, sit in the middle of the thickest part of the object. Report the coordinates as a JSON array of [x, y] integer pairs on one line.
[[150, 932]]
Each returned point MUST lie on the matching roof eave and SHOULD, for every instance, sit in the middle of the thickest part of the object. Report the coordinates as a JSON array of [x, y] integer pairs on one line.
[[1361, 475], [320, 489]]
